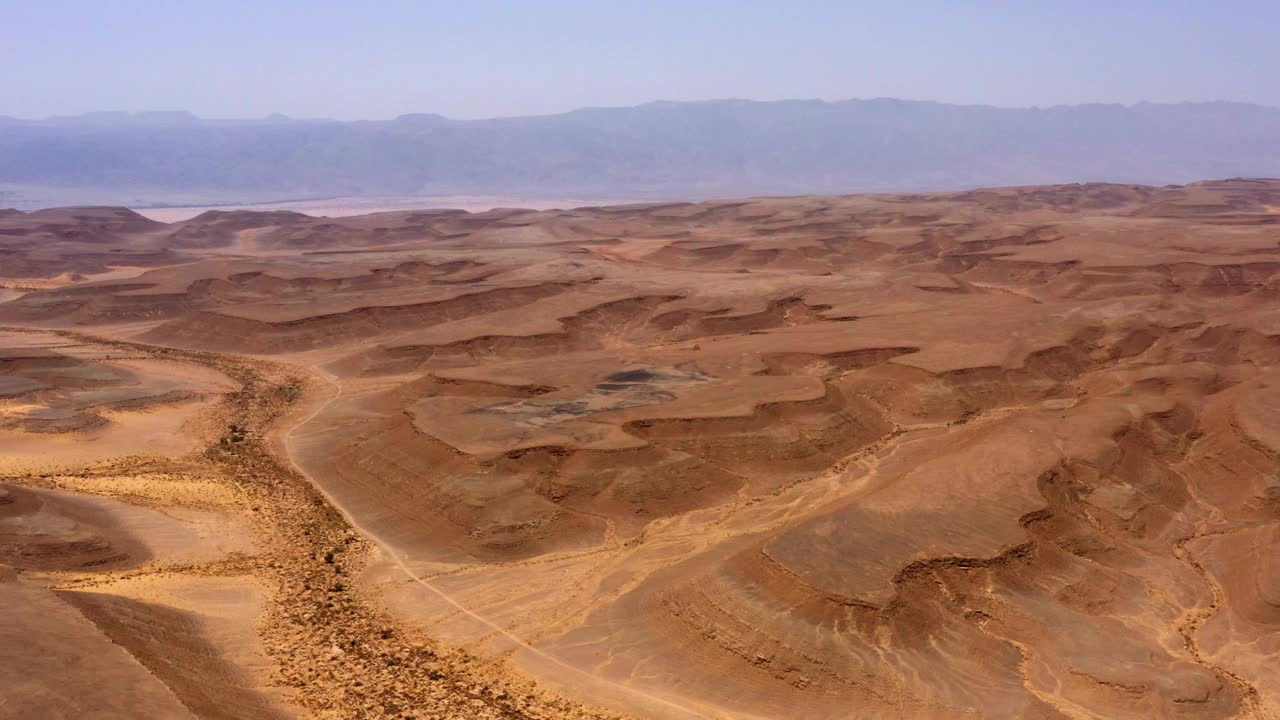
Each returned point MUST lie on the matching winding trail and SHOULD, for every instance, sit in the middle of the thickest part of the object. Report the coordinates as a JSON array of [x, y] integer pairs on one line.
[[401, 563]]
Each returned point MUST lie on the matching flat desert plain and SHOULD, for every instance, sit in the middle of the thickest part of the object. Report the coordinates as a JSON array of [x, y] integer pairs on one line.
[[1007, 453]]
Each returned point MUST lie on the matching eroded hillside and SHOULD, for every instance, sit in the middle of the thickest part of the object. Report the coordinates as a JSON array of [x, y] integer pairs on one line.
[[1002, 453]]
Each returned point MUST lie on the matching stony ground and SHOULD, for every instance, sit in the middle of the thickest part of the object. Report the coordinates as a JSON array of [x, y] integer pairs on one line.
[[332, 644], [996, 453]]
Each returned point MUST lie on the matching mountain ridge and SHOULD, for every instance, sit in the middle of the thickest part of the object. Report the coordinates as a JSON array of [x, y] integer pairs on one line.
[[704, 148], [187, 115]]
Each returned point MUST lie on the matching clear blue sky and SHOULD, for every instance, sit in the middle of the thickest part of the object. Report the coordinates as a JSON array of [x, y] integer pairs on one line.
[[475, 58]]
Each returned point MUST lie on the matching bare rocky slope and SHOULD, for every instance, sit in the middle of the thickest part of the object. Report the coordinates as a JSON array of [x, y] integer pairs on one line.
[[1000, 453]]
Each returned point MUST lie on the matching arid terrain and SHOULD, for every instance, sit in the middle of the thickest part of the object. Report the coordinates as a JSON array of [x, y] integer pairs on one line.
[[1008, 453]]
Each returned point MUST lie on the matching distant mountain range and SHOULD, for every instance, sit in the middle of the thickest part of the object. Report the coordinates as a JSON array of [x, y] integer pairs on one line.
[[729, 147]]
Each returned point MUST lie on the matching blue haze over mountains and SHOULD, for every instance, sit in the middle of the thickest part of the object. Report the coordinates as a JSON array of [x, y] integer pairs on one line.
[[668, 149]]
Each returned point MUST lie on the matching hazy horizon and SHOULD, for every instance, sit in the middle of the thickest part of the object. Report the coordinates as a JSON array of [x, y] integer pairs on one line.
[[676, 149], [492, 59], [583, 99], [108, 112]]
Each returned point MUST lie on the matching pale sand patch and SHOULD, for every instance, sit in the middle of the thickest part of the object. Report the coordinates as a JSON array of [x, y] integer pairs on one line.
[[225, 612], [166, 429], [114, 272], [154, 432], [187, 376], [174, 535], [175, 490], [56, 649]]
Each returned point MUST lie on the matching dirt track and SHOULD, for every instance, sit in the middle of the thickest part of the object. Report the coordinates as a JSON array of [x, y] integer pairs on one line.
[[339, 654]]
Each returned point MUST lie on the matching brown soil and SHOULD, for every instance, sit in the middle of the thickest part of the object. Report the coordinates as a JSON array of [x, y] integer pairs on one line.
[[328, 641], [1001, 453]]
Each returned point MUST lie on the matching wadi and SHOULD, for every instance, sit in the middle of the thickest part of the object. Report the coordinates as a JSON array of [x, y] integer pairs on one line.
[[1002, 453]]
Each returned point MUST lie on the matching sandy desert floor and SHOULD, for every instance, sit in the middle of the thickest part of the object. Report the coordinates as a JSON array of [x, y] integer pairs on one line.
[[1010, 453]]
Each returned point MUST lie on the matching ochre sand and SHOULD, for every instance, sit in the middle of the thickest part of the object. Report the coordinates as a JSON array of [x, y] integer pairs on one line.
[[1002, 453]]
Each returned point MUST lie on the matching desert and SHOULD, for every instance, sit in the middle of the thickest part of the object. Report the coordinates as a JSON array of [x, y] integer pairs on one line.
[[999, 453]]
